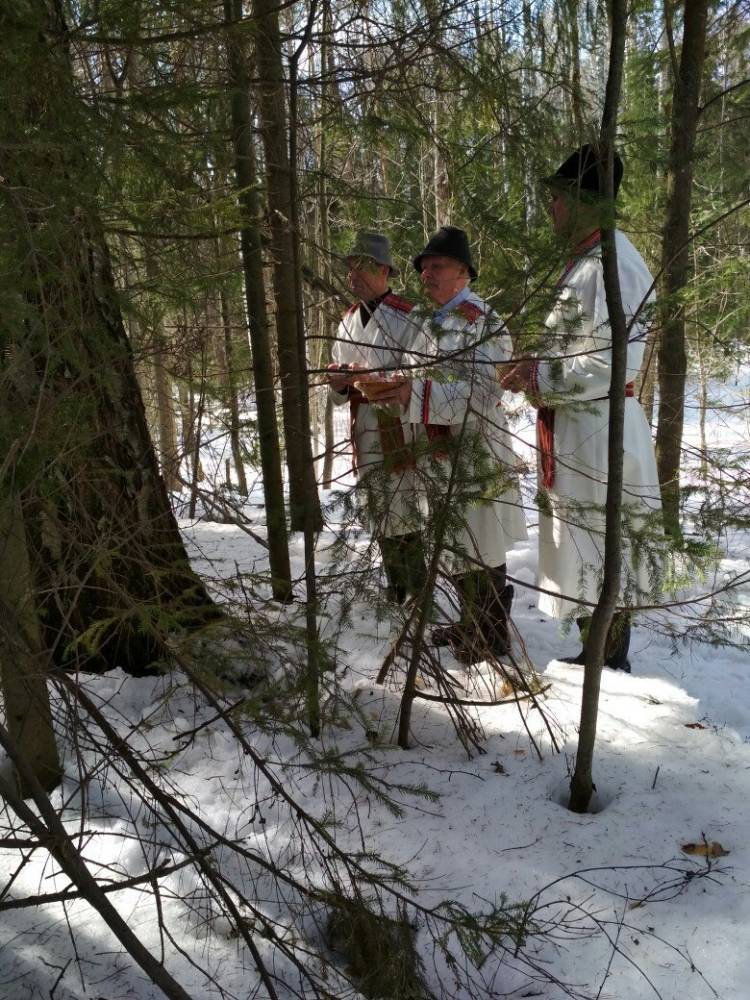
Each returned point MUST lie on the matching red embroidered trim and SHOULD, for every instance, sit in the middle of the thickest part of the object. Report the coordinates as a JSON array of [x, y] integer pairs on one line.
[[425, 415], [470, 311], [545, 437], [534, 378], [594, 239], [396, 302], [545, 417]]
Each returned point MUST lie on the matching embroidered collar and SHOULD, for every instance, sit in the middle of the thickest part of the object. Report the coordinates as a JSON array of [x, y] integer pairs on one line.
[[367, 309], [579, 251], [440, 314]]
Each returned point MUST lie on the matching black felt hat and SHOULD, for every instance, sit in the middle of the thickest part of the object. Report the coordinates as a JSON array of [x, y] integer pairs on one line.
[[583, 170], [448, 241]]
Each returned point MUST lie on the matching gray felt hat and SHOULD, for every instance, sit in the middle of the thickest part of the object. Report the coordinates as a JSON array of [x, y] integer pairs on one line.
[[373, 245]]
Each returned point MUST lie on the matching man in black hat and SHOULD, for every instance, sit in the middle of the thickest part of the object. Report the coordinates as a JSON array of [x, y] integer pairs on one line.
[[570, 386], [470, 470], [370, 343]]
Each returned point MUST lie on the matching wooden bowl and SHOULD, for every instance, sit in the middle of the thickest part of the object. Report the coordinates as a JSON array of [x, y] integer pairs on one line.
[[374, 387]]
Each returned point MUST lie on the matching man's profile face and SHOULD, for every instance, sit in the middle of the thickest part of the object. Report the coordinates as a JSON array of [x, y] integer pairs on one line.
[[443, 277], [573, 214], [560, 212], [367, 279]]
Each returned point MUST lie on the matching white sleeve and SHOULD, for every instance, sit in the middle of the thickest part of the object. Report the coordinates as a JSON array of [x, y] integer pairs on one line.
[[339, 351], [580, 361], [464, 383]]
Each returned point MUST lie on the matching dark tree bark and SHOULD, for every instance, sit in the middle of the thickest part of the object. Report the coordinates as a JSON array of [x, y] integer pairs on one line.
[[676, 260], [252, 265], [110, 570], [646, 385], [281, 213], [23, 675], [325, 324], [312, 520], [581, 786]]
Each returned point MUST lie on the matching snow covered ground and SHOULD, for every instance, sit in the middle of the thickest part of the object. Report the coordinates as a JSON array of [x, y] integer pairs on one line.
[[626, 913]]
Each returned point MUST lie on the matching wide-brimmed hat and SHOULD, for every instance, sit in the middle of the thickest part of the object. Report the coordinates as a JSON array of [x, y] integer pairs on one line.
[[448, 241], [584, 171], [376, 246]]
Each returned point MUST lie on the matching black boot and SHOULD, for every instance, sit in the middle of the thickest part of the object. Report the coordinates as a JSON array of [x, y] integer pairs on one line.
[[583, 628], [617, 645], [485, 602], [497, 611], [391, 556], [457, 635], [403, 562]]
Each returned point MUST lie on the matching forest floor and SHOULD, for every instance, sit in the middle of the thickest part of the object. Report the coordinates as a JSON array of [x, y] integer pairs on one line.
[[621, 910]]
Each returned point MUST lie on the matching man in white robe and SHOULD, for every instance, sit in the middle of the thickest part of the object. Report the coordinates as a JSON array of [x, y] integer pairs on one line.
[[371, 340], [570, 386], [470, 468]]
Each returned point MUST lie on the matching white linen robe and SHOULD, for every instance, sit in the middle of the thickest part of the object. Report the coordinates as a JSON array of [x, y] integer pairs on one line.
[[571, 531], [462, 394], [391, 504]]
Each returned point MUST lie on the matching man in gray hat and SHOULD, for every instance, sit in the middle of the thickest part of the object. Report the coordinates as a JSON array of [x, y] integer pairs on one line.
[[470, 469], [370, 343]]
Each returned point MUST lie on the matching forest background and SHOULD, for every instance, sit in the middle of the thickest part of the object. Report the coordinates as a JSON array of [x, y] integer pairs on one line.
[[179, 185]]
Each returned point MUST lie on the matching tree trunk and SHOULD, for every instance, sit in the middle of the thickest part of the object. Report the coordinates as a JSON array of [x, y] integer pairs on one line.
[[197, 435], [676, 261], [312, 519], [185, 395], [255, 296], [110, 569], [154, 340], [230, 382], [576, 95], [702, 409], [168, 457], [24, 682], [325, 326], [440, 179], [581, 786], [272, 104], [645, 390]]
